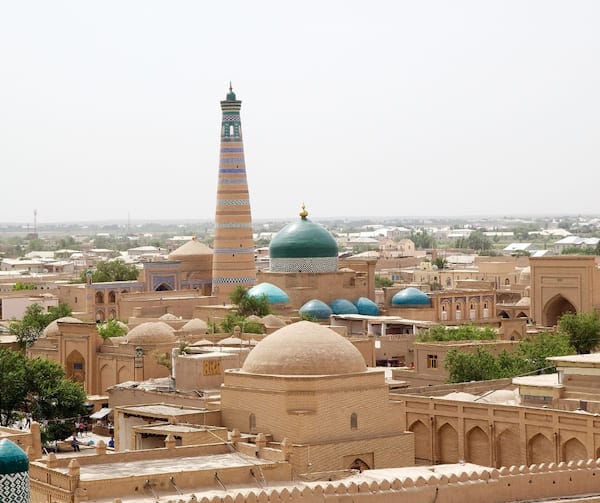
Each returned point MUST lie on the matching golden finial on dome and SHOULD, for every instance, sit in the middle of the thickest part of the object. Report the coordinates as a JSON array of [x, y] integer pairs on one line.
[[303, 213]]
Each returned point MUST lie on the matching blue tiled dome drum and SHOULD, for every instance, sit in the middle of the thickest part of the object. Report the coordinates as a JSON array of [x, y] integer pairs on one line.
[[14, 473]]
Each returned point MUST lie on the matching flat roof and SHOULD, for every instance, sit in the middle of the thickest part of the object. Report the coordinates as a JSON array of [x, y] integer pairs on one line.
[[588, 360], [543, 380], [107, 471], [160, 409], [177, 428]]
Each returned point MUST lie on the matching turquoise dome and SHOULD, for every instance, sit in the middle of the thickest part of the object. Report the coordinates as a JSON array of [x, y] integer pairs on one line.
[[274, 293], [301, 239], [12, 458], [366, 306], [343, 306], [410, 297], [317, 309]]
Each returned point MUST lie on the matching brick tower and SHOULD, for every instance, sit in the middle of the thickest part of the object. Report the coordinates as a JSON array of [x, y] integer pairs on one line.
[[233, 258]]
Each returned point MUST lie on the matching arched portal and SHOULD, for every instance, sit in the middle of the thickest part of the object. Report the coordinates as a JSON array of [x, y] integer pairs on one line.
[[478, 447], [539, 450], [574, 450], [75, 368], [447, 444], [99, 298], [422, 441], [163, 287], [554, 309]]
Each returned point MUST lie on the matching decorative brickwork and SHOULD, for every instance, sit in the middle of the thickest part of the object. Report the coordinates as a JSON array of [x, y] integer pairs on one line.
[[233, 259]]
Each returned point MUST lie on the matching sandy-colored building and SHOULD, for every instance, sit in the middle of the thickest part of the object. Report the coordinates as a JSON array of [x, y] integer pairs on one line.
[[99, 364], [563, 284]]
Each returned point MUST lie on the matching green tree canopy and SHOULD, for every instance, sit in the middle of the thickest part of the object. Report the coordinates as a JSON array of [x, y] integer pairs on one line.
[[248, 305], [583, 330], [112, 328], [113, 270], [460, 333], [529, 356], [38, 386], [382, 281], [35, 320]]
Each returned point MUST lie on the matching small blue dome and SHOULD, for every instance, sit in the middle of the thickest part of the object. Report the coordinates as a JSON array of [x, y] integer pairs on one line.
[[410, 297], [12, 458], [366, 306], [317, 309], [343, 306], [274, 293]]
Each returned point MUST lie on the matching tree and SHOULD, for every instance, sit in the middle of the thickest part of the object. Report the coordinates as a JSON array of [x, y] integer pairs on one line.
[[13, 384], [248, 305], [477, 240], [422, 239], [460, 333], [35, 320], [528, 357], [112, 328], [113, 270], [38, 386], [440, 262], [19, 285], [382, 281], [583, 330]]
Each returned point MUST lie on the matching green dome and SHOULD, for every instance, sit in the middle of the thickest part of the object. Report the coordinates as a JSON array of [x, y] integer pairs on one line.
[[301, 239], [12, 458]]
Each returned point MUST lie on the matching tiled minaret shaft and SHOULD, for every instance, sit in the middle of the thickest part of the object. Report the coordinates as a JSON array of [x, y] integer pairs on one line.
[[233, 248]]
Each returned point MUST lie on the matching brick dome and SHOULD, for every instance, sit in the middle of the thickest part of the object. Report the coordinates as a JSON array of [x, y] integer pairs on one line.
[[304, 348], [151, 332], [52, 329]]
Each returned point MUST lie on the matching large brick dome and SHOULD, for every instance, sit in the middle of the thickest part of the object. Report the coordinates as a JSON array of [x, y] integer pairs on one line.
[[304, 348]]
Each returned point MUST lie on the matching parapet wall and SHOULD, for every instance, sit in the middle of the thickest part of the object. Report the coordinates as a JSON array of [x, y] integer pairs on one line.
[[486, 486]]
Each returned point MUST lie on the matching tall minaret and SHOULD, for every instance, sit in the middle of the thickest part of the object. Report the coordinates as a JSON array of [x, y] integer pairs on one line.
[[233, 248]]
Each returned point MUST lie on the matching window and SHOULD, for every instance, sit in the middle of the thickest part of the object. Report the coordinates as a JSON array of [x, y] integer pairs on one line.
[[432, 362], [353, 421], [78, 366]]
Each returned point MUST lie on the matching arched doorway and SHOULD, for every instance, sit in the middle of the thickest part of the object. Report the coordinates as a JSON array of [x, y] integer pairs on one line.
[[422, 442], [478, 447], [539, 450], [574, 450], [163, 287], [555, 308], [75, 367], [360, 465], [508, 451], [447, 444]]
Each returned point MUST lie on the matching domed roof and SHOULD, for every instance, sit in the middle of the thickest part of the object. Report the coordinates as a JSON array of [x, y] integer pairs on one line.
[[151, 332], [274, 293], [195, 326], [410, 297], [303, 238], [304, 348], [52, 329], [343, 306], [317, 309], [272, 321], [12, 458], [191, 250], [366, 306], [168, 317]]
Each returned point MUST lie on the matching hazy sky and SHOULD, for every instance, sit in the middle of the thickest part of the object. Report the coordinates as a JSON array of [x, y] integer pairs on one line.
[[357, 108]]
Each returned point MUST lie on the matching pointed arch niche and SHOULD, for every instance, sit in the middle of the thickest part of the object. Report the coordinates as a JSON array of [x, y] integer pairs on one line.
[[555, 308]]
